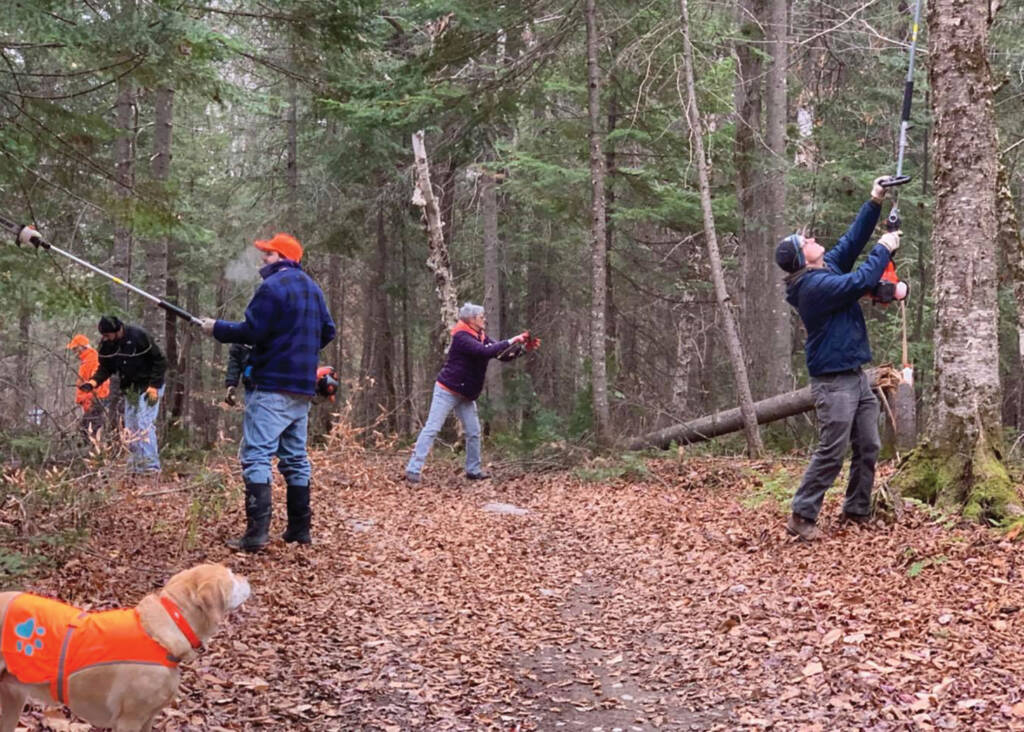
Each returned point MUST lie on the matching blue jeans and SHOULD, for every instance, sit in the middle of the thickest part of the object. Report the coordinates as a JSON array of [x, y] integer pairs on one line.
[[441, 405], [275, 423], [847, 417], [140, 422]]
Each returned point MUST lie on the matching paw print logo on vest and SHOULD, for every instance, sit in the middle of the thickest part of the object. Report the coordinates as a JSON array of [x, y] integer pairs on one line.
[[26, 633]]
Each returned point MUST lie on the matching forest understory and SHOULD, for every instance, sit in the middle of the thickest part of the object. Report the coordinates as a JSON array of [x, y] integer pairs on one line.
[[669, 600]]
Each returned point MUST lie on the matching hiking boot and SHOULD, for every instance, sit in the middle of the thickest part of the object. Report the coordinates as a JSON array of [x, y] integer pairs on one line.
[[855, 518], [478, 476], [801, 528], [299, 515], [257, 519], [412, 477]]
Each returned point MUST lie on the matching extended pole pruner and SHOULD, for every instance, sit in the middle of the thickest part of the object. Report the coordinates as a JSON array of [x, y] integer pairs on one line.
[[893, 222], [24, 234]]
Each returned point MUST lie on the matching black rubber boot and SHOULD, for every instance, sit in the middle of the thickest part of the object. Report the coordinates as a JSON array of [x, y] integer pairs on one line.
[[257, 519], [298, 515]]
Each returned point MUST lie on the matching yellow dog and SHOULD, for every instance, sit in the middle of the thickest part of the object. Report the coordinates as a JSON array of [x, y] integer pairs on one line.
[[116, 668]]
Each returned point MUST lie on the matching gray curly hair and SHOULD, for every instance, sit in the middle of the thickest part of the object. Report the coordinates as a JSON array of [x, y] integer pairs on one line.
[[470, 310]]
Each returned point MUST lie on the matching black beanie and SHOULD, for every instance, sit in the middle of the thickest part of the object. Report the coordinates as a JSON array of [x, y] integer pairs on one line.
[[110, 324], [789, 253]]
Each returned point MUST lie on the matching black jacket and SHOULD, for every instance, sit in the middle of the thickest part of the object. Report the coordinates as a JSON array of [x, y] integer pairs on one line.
[[136, 359], [238, 358]]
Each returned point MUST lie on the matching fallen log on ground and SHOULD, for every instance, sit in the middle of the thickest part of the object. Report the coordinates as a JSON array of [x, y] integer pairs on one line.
[[767, 410]]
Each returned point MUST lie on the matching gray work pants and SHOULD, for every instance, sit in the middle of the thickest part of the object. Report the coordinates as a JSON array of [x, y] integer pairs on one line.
[[847, 412]]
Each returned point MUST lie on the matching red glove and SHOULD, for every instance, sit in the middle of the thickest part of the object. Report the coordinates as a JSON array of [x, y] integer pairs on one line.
[[521, 338]]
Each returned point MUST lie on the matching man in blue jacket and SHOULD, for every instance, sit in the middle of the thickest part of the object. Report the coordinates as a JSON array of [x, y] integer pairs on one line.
[[287, 324], [825, 289]]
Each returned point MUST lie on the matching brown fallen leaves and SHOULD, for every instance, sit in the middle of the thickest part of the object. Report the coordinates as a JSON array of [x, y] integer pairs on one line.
[[665, 602]]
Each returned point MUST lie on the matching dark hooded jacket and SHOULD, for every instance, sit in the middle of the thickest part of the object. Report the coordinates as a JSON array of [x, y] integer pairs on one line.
[[827, 298], [135, 358]]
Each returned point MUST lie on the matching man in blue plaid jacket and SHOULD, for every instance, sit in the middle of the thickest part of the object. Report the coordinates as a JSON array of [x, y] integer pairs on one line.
[[287, 324]]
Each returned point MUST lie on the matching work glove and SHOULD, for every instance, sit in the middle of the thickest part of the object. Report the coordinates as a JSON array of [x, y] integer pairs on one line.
[[207, 325], [152, 395], [229, 397], [87, 385], [521, 338], [877, 189], [902, 290], [26, 236], [891, 241]]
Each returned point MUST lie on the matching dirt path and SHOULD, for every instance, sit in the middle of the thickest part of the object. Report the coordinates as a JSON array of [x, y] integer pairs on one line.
[[672, 602]]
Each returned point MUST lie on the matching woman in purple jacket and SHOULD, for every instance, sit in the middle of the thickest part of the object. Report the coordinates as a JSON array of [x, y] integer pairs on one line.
[[458, 385]]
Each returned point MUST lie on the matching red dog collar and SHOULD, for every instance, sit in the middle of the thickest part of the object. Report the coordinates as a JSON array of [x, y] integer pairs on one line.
[[179, 619]]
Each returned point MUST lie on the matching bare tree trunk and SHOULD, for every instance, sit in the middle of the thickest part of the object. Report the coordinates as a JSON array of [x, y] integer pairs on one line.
[[610, 162], [767, 410], [154, 267], [1012, 247], [732, 338], [438, 261], [23, 362], [492, 288], [960, 464], [292, 162], [754, 264], [778, 375], [598, 240], [124, 174], [378, 345], [407, 376]]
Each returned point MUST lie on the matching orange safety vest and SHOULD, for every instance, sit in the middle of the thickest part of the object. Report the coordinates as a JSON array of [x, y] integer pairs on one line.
[[45, 641], [89, 361]]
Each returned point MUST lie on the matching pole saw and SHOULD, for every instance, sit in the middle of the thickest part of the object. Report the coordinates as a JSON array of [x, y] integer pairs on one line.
[[28, 235], [889, 287]]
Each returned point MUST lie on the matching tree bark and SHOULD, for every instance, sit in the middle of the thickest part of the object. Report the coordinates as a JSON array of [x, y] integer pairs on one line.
[[777, 374], [767, 410], [377, 367], [154, 267], [598, 240], [492, 288], [732, 337], [960, 463], [1012, 247], [438, 260], [124, 174], [292, 161]]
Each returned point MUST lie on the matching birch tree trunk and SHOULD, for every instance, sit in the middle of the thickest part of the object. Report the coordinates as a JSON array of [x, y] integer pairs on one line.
[[960, 464], [732, 337], [598, 240], [438, 260]]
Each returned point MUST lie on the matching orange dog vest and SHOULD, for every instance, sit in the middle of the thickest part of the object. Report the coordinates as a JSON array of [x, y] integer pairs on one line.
[[45, 641]]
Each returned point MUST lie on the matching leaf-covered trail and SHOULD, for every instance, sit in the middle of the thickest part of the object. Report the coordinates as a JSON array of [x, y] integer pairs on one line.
[[665, 602]]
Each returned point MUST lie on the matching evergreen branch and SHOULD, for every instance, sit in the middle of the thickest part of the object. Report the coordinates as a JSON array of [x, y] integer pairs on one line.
[[70, 74], [108, 82]]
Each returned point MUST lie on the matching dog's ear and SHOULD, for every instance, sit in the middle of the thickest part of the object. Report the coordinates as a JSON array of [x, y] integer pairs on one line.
[[211, 597]]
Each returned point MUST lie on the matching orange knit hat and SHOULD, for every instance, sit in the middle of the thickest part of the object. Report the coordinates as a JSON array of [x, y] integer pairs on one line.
[[284, 244], [78, 340]]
